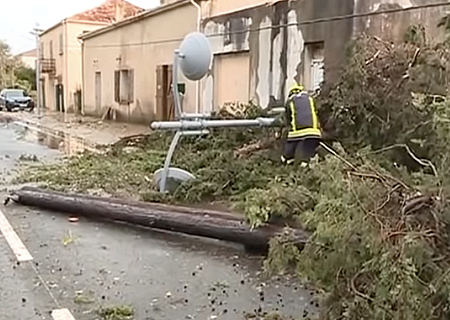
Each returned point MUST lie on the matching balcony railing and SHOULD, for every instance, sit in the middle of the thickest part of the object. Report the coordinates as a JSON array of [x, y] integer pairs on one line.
[[48, 66]]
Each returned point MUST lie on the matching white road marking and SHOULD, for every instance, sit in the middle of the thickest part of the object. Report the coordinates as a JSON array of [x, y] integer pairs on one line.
[[62, 314], [13, 240]]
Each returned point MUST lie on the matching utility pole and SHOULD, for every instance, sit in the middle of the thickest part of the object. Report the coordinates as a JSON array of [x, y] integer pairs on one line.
[[36, 32]]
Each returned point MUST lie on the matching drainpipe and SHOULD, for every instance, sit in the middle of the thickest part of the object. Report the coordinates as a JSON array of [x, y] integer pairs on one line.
[[65, 69], [38, 75], [199, 24], [199, 14], [83, 101]]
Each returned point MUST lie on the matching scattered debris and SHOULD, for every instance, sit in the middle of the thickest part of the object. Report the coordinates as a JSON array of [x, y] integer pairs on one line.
[[259, 315], [28, 157], [221, 284], [82, 298], [73, 219], [69, 239], [123, 312]]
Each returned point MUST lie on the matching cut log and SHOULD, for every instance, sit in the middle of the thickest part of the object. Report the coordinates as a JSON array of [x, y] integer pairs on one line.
[[232, 230]]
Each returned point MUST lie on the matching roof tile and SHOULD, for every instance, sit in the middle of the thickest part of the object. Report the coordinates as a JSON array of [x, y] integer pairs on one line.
[[106, 12]]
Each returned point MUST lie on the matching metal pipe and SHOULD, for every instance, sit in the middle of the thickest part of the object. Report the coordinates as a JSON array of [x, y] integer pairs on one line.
[[173, 145], [176, 138], [38, 74], [83, 79], [199, 13], [176, 94], [277, 110], [199, 23], [65, 83], [194, 115], [202, 124]]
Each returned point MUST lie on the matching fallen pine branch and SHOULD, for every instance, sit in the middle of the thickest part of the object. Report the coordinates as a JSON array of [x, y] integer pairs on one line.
[[216, 227]]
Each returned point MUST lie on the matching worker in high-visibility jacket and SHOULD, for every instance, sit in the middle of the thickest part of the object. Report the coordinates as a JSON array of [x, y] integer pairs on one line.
[[304, 134]]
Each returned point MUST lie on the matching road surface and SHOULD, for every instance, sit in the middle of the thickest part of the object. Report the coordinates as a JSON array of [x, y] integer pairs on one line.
[[51, 268]]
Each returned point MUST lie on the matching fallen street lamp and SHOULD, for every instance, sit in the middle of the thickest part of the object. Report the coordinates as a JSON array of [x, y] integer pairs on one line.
[[194, 59]]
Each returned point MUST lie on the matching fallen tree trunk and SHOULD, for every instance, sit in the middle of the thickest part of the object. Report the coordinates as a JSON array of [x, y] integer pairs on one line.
[[193, 224], [147, 205]]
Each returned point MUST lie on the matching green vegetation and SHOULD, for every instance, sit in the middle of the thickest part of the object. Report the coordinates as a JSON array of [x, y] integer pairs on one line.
[[13, 74], [379, 215], [116, 313]]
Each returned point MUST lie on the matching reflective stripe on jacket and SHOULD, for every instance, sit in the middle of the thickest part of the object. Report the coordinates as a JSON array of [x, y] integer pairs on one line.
[[302, 117]]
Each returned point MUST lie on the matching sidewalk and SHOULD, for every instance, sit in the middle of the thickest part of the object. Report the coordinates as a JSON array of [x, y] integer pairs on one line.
[[89, 129]]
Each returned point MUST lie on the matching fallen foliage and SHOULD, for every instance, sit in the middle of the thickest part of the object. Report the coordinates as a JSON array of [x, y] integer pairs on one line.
[[378, 212]]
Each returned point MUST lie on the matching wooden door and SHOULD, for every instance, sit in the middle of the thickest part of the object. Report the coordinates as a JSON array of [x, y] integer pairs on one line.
[[59, 93], [164, 99]]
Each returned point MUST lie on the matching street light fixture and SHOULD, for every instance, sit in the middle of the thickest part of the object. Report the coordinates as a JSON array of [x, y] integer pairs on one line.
[[37, 32]]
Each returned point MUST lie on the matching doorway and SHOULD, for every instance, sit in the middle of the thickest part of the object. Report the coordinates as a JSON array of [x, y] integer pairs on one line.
[[98, 90], [59, 92], [42, 102], [165, 109]]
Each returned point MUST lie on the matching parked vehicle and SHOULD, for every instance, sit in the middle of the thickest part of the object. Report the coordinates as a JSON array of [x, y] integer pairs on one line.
[[15, 99]]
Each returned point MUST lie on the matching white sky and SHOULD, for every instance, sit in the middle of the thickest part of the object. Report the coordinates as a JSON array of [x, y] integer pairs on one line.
[[19, 17]]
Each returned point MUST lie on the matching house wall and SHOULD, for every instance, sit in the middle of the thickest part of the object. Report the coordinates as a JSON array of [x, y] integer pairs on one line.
[[28, 61], [49, 44], [393, 26], [67, 61], [213, 8], [74, 63], [163, 2], [278, 56], [141, 46]]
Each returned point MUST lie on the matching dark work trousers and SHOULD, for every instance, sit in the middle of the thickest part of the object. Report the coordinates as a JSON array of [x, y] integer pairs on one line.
[[302, 149]]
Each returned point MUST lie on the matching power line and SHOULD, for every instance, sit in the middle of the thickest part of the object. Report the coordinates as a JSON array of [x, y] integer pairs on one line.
[[279, 26], [19, 34]]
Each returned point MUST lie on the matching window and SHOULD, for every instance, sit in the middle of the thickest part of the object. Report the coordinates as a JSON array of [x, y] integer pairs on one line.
[[124, 86], [227, 33], [50, 46], [313, 73], [61, 44], [15, 94]]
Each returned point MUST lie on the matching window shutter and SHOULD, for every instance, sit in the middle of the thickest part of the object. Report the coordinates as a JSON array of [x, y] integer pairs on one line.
[[117, 86], [130, 86]]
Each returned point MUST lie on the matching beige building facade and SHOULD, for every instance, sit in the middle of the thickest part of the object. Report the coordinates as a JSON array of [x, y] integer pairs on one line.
[[60, 54], [260, 49], [28, 58], [127, 67]]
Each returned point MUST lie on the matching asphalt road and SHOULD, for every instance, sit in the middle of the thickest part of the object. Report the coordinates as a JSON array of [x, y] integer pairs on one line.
[[86, 265]]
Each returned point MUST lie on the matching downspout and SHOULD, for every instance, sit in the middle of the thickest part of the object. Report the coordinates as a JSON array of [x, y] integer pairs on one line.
[[83, 101], [199, 14], [66, 69], [199, 23]]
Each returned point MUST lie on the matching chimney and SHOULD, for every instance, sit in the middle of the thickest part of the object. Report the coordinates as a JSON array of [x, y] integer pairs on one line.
[[119, 10]]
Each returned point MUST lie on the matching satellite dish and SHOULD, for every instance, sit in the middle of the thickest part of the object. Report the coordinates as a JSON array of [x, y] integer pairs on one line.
[[196, 55]]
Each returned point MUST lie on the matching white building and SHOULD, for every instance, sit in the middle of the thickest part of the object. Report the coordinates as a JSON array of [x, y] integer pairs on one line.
[[28, 58]]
